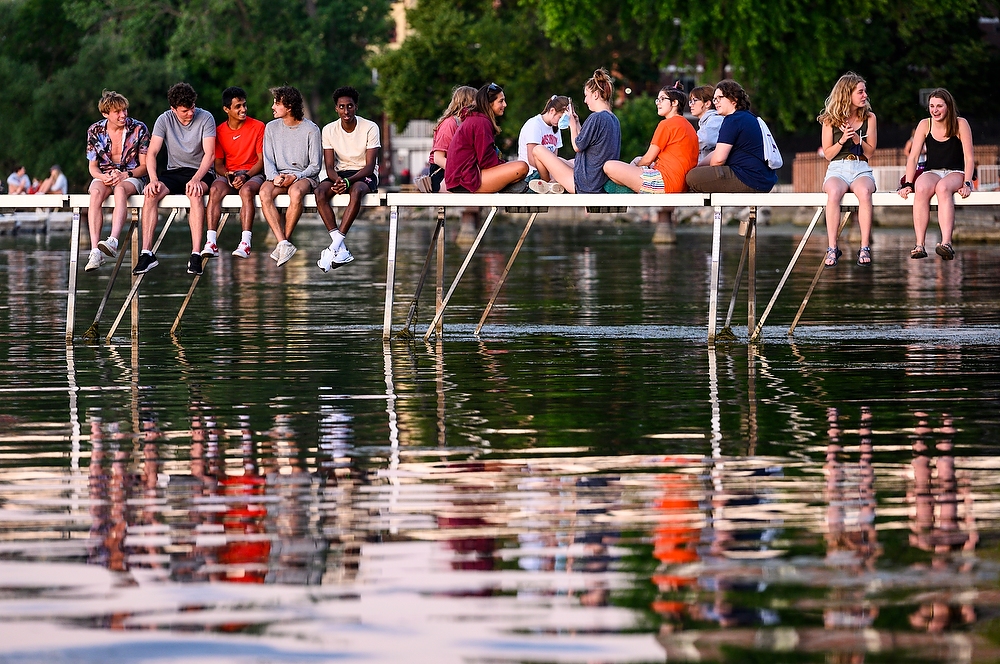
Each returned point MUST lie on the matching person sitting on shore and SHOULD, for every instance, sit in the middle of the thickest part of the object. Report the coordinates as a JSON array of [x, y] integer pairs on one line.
[[116, 152], [597, 141], [462, 97], [737, 164], [18, 182], [293, 156], [709, 122], [948, 170], [350, 153], [188, 133], [543, 129], [474, 164], [850, 133], [671, 154], [239, 167], [56, 183]]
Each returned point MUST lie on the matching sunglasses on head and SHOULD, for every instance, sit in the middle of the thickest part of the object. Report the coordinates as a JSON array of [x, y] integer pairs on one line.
[[495, 88]]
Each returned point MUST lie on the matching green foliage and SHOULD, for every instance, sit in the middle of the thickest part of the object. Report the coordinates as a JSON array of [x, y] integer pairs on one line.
[[638, 120]]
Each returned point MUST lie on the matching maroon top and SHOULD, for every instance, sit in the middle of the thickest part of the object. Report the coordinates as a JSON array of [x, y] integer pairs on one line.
[[471, 150]]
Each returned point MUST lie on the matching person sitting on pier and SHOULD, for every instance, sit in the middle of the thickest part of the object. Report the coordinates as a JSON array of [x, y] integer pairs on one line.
[[596, 142], [474, 164], [737, 164], [116, 152], [56, 183], [850, 134], [18, 182], [709, 122], [462, 97], [350, 152], [239, 165], [188, 133], [293, 155], [949, 169], [671, 154], [543, 129]]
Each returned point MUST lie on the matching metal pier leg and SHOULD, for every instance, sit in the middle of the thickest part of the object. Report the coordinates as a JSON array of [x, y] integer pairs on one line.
[[194, 282], [713, 295], [506, 271], [137, 280], [423, 272], [725, 332], [461, 271], [74, 256], [390, 272], [92, 332], [439, 286], [788, 270], [752, 270], [819, 273]]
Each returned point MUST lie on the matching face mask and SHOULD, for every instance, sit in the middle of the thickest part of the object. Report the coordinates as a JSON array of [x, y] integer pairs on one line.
[[564, 121]]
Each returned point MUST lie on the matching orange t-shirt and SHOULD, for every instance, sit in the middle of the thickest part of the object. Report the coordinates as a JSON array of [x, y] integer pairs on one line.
[[678, 143], [239, 148]]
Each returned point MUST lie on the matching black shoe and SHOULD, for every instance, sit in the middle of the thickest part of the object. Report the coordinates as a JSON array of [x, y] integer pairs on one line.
[[145, 263], [516, 187], [194, 264]]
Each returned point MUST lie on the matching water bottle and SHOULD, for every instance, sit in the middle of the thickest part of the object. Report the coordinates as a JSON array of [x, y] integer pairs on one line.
[[564, 121]]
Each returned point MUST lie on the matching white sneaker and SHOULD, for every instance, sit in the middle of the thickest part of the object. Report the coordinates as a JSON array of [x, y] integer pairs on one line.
[[242, 251], [539, 186], [343, 257], [325, 259], [274, 254], [109, 247], [211, 249], [285, 252], [556, 188], [96, 260]]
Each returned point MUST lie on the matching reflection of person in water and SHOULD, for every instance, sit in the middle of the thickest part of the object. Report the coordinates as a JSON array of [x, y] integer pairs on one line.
[[936, 525], [851, 539]]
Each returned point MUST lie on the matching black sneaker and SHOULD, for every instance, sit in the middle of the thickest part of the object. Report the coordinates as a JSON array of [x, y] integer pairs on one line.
[[145, 263], [194, 264]]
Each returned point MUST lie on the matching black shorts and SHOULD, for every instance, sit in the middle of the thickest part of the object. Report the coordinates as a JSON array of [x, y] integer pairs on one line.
[[176, 180], [370, 181]]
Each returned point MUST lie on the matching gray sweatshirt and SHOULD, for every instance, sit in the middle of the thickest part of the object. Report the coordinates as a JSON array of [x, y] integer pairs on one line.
[[297, 150]]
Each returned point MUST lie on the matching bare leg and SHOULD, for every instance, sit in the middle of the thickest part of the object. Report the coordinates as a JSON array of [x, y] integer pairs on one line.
[[219, 189], [324, 205], [151, 216], [122, 192], [358, 191], [271, 215], [559, 170], [196, 221], [498, 177], [95, 212], [863, 188], [249, 208], [925, 185], [624, 174], [296, 193], [835, 189], [945, 190]]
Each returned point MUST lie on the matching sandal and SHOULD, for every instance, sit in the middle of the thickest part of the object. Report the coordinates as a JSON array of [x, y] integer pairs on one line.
[[945, 252], [832, 254], [865, 256], [918, 251]]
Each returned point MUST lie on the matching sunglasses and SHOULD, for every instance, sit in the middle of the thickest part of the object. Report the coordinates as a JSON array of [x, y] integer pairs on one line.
[[495, 88]]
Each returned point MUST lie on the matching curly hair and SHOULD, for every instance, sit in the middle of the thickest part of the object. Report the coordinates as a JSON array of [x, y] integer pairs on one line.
[[837, 109], [290, 98], [601, 84], [346, 91], [181, 95], [735, 93], [112, 101]]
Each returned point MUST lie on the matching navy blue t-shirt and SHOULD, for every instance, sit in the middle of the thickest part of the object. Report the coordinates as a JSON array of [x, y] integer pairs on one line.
[[746, 158], [599, 141]]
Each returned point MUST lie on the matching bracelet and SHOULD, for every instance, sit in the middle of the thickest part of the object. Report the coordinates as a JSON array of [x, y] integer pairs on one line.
[[905, 185]]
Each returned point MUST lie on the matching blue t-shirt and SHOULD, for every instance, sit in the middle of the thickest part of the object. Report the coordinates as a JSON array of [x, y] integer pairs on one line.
[[599, 141], [746, 158]]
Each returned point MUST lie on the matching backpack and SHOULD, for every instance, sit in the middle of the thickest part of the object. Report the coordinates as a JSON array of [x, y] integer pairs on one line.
[[772, 155]]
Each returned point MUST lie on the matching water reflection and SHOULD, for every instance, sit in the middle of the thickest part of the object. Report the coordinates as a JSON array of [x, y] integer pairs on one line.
[[272, 486]]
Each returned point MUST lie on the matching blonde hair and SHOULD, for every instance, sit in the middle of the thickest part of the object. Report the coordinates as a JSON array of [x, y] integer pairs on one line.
[[112, 101], [461, 97], [837, 109], [601, 84]]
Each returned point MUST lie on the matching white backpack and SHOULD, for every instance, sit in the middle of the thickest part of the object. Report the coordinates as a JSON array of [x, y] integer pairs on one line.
[[772, 155]]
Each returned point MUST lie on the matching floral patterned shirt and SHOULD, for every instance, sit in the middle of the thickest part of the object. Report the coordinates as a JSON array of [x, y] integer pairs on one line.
[[99, 145]]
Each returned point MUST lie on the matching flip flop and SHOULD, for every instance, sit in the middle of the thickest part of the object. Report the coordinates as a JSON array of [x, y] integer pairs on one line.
[[835, 254]]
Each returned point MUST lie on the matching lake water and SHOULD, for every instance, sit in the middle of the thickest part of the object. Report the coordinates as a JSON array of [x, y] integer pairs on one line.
[[587, 481]]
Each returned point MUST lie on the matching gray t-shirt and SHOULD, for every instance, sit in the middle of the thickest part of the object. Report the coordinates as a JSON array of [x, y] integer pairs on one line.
[[297, 150], [599, 141], [184, 144]]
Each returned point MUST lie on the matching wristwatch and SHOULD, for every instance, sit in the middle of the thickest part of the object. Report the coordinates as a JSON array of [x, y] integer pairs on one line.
[[129, 173], [968, 184]]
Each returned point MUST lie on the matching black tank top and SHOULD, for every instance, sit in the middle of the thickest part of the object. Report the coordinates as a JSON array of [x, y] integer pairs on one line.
[[944, 154]]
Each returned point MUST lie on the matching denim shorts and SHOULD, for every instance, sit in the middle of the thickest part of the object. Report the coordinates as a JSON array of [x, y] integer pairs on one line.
[[849, 170]]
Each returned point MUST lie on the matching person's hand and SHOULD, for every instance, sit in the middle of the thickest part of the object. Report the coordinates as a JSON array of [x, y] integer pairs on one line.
[[238, 179], [153, 188], [904, 191], [849, 133], [194, 188], [965, 190], [110, 179], [635, 162], [341, 186]]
